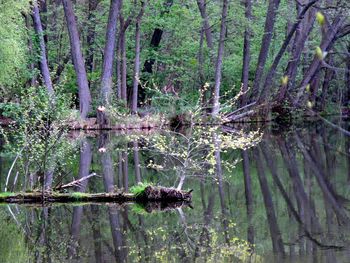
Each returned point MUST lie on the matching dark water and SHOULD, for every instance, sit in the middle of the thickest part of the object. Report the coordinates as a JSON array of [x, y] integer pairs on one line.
[[286, 199]]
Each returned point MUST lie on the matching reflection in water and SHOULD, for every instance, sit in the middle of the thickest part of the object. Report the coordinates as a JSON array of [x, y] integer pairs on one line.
[[287, 199]]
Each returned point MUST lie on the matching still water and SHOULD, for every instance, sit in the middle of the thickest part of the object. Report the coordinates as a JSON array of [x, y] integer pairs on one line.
[[259, 195]]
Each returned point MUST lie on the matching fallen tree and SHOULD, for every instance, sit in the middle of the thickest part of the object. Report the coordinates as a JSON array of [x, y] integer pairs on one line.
[[149, 193]]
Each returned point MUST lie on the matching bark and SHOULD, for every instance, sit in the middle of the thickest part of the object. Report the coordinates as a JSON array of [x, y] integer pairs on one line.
[[218, 67], [265, 44], [271, 74], [90, 38], [32, 80], [326, 44], [106, 79], [78, 61], [301, 35], [137, 59], [206, 26], [44, 67], [246, 52]]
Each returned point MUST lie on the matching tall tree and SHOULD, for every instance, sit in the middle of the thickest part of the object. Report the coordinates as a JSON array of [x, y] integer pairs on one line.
[[265, 44], [78, 60], [90, 38], [44, 68], [246, 51], [218, 67], [106, 79], [137, 58]]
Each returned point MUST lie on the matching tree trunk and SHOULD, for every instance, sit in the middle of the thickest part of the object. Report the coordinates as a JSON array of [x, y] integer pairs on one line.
[[106, 79], [137, 59], [326, 44], [44, 67], [90, 38], [246, 52], [301, 35], [265, 45], [78, 61], [271, 74], [218, 73]]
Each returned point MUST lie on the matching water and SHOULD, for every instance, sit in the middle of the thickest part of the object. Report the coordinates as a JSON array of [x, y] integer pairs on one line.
[[283, 199]]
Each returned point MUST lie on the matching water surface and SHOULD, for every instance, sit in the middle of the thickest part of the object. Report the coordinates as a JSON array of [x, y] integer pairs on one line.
[[269, 196]]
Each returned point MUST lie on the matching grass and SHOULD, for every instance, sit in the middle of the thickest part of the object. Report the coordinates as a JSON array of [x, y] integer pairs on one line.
[[139, 188]]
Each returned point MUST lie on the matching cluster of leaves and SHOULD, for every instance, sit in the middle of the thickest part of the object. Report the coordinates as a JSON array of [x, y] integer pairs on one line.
[[37, 135]]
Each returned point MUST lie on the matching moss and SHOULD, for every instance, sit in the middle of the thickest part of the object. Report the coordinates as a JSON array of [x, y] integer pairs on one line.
[[139, 188], [78, 195], [4, 195]]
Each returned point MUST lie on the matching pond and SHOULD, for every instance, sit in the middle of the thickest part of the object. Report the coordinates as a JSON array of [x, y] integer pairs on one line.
[[267, 194]]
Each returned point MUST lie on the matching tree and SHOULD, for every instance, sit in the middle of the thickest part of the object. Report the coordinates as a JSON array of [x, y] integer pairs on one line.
[[218, 67], [106, 79], [137, 58], [78, 61], [44, 68]]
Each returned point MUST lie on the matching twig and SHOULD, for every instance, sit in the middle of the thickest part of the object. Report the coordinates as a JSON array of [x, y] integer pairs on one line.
[[75, 182]]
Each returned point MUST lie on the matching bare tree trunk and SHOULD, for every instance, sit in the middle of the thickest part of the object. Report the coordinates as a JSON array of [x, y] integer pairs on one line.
[[265, 44], [326, 44], [90, 38], [32, 80], [137, 59], [106, 79], [270, 75], [218, 73], [78, 60], [246, 51], [124, 24], [206, 26], [44, 67], [301, 36]]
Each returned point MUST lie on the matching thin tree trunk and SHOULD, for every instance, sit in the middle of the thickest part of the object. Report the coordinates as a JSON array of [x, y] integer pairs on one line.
[[270, 75], [302, 33], [246, 51], [106, 79], [90, 38], [218, 68], [78, 61], [137, 58], [44, 67], [326, 44], [265, 44]]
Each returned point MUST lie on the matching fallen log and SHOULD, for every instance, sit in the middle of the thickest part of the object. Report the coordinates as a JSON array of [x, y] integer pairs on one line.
[[157, 193], [150, 193]]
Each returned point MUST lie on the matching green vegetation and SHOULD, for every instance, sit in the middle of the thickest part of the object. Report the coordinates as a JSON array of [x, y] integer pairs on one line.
[[138, 189]]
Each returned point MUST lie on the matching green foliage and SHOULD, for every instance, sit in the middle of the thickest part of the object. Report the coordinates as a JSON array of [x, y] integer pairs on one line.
[[139, 188], [39, 130], [12, 42]]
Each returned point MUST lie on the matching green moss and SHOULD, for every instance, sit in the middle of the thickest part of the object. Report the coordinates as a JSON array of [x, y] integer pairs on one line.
[[139, 188], [6, 194], [79, 195]]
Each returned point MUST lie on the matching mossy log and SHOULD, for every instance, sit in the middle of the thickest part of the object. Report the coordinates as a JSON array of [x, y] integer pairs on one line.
[[149, 194], [156, 193]]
